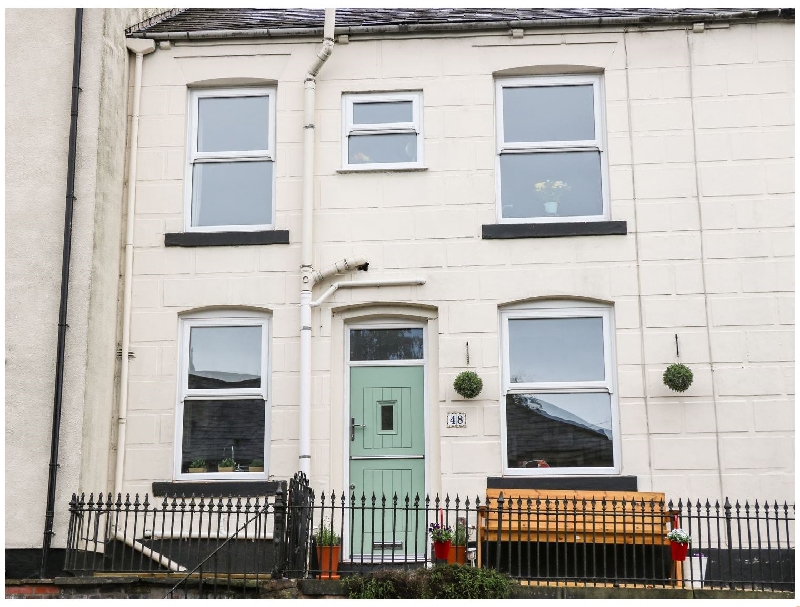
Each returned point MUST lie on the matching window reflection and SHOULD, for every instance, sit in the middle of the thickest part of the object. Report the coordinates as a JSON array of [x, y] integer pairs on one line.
[[232, 193], [385, 344], [224, 357], [556, 349], [556, 184], [394, 147], [228, 124], [383, 112], [218, 429], [559, 430]]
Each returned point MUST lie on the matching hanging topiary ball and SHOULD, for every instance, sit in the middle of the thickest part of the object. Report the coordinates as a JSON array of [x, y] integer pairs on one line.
[[468, 384], [678, 377]]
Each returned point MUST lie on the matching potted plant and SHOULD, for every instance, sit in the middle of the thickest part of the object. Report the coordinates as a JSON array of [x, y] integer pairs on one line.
[[550, 192], [198, 465], [679, 544], [327, 553], [257, 465], [442, 537], [458, 551], [468, 384], [678, 377], [226, 465]]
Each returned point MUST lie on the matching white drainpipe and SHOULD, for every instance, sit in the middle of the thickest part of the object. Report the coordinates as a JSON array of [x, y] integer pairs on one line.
[[140, 48], [307, 261]]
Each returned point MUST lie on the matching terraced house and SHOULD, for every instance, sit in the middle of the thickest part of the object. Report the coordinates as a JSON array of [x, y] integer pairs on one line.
[[329, 215]]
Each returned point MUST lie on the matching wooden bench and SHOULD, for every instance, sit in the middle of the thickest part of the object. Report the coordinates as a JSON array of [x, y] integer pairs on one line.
[[570, 516]]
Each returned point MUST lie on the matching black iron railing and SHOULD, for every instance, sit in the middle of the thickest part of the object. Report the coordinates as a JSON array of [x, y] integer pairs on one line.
[[236, 542]]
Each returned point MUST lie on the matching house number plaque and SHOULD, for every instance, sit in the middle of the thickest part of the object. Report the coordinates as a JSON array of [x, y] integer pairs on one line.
[[456, 420]]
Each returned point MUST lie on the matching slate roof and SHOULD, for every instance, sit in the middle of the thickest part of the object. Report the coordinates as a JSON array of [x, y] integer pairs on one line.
[[219, 22]]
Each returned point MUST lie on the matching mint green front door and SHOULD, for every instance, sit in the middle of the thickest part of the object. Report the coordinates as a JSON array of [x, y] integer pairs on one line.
[[387, 458]]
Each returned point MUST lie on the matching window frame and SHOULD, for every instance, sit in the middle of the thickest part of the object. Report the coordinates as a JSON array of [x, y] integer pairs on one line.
[[384, 128], [194, 157], [561, 309], [598, 144], [222, 318]]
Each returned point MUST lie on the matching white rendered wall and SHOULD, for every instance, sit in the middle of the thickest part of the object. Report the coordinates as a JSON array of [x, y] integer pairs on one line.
[[39, 53], [700, 166]]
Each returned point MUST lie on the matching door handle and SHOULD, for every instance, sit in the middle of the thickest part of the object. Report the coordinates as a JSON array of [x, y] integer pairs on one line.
[[353, 426]]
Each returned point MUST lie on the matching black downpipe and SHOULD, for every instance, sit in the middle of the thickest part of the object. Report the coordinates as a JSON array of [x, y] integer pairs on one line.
[[62, 311]]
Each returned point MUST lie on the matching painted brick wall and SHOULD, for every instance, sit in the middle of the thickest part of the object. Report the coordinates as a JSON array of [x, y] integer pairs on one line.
[[700, 140]]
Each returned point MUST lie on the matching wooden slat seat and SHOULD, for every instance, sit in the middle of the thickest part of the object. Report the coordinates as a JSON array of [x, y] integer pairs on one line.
[[570, 516]]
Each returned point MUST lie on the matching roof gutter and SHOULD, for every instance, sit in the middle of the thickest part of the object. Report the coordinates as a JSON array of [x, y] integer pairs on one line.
[[406, 28], [62, 310]]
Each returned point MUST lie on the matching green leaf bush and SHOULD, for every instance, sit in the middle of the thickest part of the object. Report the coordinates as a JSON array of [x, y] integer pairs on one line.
[[468, 384], [678, 377], [443, 582]]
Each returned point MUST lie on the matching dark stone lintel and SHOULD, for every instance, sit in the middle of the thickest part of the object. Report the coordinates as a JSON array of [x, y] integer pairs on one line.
[[554, 230], [223, 239], [216, 488]]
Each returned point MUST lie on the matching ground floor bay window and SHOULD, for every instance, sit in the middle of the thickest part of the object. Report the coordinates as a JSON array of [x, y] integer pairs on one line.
[[222, 425], [558, 396]]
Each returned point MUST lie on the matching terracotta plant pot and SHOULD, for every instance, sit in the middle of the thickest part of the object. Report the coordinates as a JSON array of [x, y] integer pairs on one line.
[[457, 554], [328, 560], [679, 550], [441, 550]]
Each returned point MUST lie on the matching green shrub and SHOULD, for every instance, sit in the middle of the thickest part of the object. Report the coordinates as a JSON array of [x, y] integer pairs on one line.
[[678, 377], [468, 384], [460, 582], [386, 584], [442, 582]]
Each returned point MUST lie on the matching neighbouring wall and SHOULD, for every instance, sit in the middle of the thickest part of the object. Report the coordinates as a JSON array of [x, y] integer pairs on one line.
[[39, 53]]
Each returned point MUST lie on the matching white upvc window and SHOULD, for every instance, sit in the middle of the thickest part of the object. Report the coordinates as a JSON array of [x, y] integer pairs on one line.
[[230, 169], [551, 158], [223, 408], [382, 131], [558, 399]]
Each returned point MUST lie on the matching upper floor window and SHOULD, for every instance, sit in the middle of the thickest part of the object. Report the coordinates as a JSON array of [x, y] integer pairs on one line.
[[222, 425], [550, 146], [559, 404], [382, 131], [230, 174]]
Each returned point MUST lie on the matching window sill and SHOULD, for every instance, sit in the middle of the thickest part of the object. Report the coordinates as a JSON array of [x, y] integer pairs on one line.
[[578, 483], [383, 170], [223, 239], [217, 488], [554, 230]]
